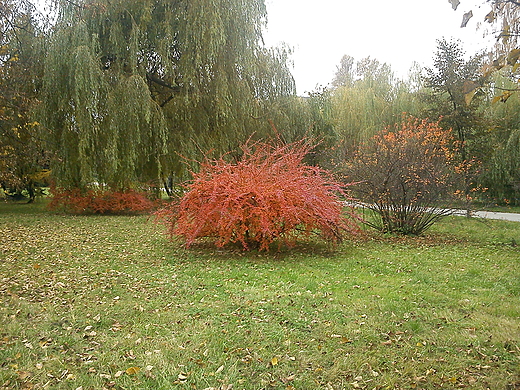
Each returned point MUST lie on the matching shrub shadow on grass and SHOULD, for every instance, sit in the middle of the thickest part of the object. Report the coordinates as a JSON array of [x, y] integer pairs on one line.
[[304, 248]]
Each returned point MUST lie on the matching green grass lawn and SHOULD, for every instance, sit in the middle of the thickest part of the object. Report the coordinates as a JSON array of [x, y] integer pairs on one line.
[[109, 303]]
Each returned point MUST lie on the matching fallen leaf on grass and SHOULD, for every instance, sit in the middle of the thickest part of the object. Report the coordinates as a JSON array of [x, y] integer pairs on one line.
[[132, 370], [90, 334], [116, 327], [148, 372], [22, 375], [274, 361]]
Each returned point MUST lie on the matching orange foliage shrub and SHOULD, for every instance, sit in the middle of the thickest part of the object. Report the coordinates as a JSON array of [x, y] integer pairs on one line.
[[268, 194], [405, 175], [97, 201]]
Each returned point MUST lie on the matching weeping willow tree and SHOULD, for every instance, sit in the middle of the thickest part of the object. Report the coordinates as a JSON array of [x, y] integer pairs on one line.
[[131, 85], [366, 99]]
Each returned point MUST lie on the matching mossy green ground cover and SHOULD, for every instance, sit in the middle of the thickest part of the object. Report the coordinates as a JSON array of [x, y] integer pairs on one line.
[[108, 302]]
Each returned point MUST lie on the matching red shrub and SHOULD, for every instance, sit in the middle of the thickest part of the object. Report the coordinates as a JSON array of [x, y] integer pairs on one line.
[[268, 194], [97, 201]]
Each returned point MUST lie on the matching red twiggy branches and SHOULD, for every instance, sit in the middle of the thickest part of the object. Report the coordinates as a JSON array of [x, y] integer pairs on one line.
[[269, 193]]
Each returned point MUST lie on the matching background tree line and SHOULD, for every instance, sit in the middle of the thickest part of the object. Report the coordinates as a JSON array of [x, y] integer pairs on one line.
[[128, 93]]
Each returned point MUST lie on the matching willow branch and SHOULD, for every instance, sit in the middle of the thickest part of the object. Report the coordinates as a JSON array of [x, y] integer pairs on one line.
[[162, 83]]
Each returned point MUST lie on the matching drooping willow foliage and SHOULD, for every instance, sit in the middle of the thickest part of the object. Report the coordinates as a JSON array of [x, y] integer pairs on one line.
[[131, 85], [366, 98]]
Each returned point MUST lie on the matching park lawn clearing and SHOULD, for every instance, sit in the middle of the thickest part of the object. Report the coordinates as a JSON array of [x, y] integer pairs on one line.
[[93, 302]]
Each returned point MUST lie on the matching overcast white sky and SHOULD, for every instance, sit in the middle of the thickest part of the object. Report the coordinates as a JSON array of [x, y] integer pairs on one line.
[[397, 32]]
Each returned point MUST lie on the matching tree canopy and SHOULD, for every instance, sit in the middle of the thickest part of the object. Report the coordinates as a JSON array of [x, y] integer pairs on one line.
[[21, 154], [132, 84]]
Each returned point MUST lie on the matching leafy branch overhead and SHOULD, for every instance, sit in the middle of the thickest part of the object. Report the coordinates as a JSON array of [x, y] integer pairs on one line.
[[504, 17]]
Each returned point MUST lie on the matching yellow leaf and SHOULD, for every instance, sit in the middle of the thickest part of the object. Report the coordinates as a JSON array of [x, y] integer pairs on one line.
[[22, 375], [469, 97], [506, 95], [274, 361], [496, 99], [513, 56], [132, 370], [490, 17]]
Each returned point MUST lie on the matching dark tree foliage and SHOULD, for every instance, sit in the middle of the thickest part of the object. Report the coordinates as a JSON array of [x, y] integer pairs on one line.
[[457, 101], [22, 158], [449, 80]]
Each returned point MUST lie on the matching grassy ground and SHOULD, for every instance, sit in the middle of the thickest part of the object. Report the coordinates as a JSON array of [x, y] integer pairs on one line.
[[107, 302]]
